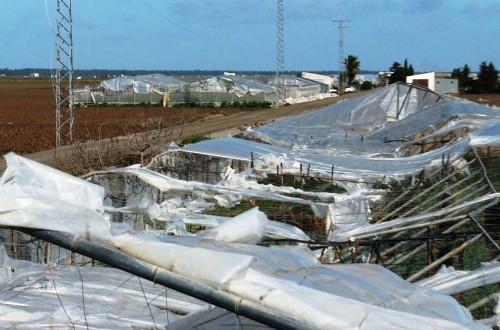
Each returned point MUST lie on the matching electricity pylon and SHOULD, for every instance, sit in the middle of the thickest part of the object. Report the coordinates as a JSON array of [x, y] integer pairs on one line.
[[64, 73]]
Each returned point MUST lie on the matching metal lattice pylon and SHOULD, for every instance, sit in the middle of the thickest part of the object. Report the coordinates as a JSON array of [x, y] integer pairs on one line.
[[341, 28], [280, 52], [64, 73]]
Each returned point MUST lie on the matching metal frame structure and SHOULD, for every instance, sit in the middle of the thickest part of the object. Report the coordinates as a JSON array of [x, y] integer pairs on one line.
[[64, 73], [280, 50], [341, 28]]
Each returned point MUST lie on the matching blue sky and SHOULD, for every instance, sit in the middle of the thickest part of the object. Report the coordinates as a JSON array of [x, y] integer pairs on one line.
[[434, 35]]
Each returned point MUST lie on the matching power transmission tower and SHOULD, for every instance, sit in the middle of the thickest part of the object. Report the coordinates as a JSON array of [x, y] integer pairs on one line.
[[280, 52], [341, 28], [64, 73]]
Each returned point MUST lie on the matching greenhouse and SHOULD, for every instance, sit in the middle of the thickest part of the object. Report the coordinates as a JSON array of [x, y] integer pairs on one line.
[[151, 88], [376, 212]]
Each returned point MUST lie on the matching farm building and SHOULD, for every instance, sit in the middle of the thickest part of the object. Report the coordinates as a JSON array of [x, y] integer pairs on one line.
[[376, 212], [444, 85], [330, 81]]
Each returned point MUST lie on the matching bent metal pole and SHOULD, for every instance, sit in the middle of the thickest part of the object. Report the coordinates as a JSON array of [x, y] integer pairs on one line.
[[166, 278]]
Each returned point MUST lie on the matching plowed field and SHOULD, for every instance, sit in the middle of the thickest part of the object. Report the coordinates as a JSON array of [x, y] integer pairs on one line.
[[27, 116]]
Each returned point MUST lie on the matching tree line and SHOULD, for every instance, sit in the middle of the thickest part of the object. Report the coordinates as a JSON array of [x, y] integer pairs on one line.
[[486, 81]]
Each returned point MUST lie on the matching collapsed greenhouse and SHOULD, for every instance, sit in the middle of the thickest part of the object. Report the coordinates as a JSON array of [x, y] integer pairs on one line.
[[215, 91], [150, 88], [376, 212]]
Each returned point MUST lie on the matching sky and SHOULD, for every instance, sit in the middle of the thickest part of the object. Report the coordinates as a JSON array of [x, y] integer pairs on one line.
[[238, 35]]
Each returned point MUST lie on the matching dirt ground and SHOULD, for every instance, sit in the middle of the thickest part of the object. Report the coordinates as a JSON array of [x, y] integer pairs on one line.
[[484, 99], [27, 116]]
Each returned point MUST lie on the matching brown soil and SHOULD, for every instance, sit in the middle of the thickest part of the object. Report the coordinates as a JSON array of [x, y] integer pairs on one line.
[[484, 99], [27, 117]]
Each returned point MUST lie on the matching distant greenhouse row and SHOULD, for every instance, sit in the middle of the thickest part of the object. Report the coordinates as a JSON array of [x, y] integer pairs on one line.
[[223, 89]]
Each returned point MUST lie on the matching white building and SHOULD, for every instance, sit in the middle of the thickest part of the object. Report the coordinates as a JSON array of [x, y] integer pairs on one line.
[[435, 83], [321, 78]]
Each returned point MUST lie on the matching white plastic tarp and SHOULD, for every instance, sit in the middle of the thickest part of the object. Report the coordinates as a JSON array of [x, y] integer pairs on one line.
[[142, 83], [288, 279], [230, 84], [34, 296]]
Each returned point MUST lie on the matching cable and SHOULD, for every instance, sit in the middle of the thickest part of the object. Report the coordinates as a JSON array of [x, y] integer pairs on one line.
[[222, 14], [179, 26], [147, 303], [47, 15], [57, 294], [166, 305], [83, 297]]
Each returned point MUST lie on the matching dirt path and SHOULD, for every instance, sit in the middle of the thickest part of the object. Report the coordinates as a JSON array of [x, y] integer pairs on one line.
[[209, 126]]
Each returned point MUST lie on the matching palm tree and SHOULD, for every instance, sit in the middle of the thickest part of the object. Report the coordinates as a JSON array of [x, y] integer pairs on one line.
[[352, 66]]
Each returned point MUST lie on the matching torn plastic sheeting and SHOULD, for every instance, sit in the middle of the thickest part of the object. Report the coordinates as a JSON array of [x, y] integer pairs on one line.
[[487, 136], [222, 265], [241, 180], [368, 112], [449, 281], [374, 115], [356, 230], [31, 193], [273, 229], [248, 227], [155, 179], [225, 195], [33, 296], [144, 206], [345, 167], [315, 304], [186, 256], [141, 83], [331, 311], [348, 213], [450, 114]]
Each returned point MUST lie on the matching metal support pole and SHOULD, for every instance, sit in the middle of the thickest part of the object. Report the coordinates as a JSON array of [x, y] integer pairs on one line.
[[443, 258], [64, 74], [168, 279]]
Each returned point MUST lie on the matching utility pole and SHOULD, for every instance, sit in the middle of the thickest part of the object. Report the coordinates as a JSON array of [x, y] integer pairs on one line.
[[341, 28], [280, 52], [64, 73]]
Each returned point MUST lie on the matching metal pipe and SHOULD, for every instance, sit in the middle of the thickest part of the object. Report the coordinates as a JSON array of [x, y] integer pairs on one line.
[[414, 198], [168, 279], [443, 258]]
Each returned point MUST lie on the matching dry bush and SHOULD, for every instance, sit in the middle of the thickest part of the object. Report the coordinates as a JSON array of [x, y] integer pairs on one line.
[[94, 153]]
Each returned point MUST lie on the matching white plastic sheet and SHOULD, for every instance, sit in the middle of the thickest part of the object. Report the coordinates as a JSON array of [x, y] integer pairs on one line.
[[31, 191], [287, 280], [34, 296]]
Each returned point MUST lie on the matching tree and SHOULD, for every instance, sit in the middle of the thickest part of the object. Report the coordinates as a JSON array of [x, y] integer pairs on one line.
[[399, 73], [487, 77], [352, 67], [366, 85], [464, 79]]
